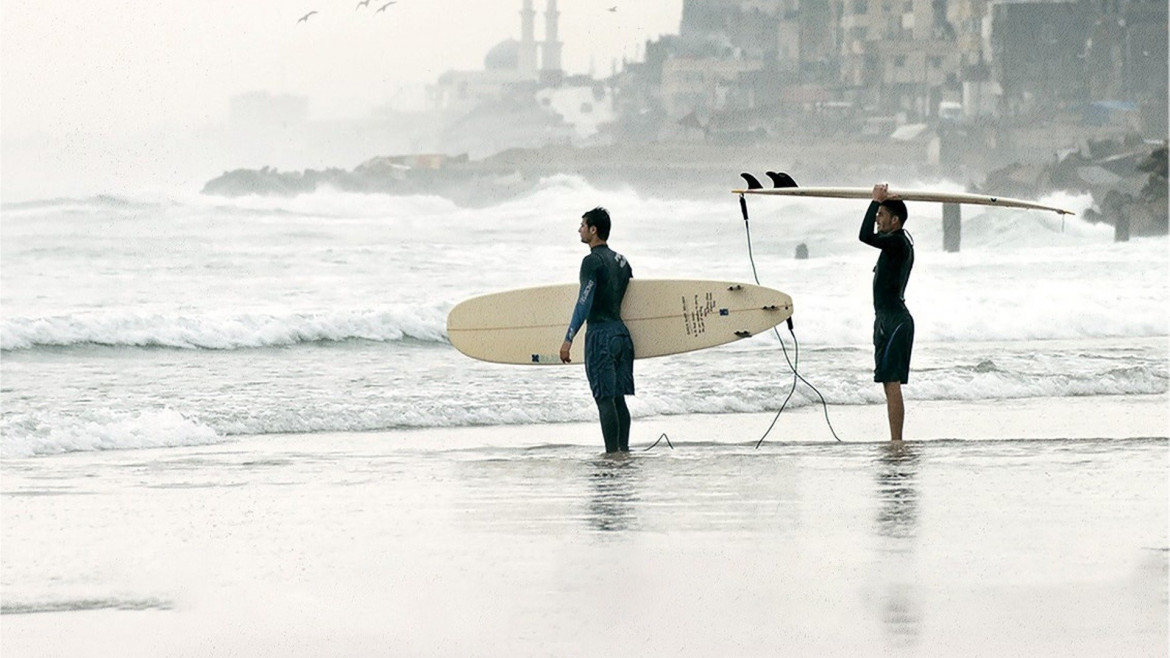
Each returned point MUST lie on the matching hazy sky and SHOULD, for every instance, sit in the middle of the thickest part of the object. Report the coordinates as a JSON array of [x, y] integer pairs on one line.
[[95, 70]]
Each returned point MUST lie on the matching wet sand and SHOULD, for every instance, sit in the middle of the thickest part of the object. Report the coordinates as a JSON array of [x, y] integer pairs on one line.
[[1033, 527]]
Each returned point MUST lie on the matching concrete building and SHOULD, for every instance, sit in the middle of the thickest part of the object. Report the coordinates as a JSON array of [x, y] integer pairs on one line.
[[586, 108], [900, 56], [1037, 49], [732, 28], [1102, 56], [705, 84]]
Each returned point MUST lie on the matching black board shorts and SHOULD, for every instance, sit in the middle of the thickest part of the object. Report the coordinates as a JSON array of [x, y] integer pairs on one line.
[[609, 360], [893, 340]]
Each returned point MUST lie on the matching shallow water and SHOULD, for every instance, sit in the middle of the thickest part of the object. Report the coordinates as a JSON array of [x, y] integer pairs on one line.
[[384, 542]]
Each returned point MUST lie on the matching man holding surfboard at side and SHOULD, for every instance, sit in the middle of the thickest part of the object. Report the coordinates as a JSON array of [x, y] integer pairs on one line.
[[893, 327], [609, 352]]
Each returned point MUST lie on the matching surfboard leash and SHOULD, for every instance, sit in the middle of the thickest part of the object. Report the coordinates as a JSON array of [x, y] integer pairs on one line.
[[792, 363], [660, 438]]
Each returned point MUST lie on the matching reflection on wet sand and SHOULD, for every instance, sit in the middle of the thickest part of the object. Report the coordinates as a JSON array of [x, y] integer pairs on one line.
[[613, 481], [898, 509], [897, 529]]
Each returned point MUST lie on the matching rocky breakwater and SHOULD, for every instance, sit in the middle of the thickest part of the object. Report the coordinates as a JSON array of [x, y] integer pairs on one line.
[[1127, 178], [663, 170], [452, 177]]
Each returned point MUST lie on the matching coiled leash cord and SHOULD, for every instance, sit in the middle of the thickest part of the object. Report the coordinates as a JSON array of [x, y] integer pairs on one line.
[[792, 364]]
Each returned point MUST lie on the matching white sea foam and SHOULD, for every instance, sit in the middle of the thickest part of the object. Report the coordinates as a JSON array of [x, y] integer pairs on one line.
[[381, 272], [473, 401], [73, 205], [27, 435], [1039, 312], [326, 202], [222, 331]]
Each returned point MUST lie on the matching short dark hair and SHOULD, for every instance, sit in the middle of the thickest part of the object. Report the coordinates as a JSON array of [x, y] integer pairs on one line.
[[897, 208], [598, 218]]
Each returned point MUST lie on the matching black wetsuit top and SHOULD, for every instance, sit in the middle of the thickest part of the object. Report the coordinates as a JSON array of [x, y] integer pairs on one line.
[[604, 277], [893, 266]]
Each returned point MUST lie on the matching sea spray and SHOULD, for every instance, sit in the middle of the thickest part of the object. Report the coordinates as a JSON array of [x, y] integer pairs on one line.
[[223, 330], [148, 320]]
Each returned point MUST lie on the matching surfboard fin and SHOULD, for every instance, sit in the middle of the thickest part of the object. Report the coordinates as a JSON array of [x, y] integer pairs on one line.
[[781, 179], [752, 182]]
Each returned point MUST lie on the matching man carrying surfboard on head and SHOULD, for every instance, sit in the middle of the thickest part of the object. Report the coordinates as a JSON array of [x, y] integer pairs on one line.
[[609, 352], [893, 327]]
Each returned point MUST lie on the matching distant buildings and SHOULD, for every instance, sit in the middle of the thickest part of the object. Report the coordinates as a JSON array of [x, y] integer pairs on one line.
[[521, 97], [992, 60], [953, 75], [510, 68]]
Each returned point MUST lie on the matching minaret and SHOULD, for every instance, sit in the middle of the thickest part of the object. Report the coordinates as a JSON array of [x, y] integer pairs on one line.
[[527, 56], [550, 61]]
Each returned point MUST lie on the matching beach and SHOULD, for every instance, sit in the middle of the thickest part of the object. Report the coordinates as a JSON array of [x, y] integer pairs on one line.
[[1021, 526], [237, 427]]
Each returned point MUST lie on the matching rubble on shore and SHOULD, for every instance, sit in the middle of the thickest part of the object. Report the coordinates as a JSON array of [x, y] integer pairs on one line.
[[1126, 177]]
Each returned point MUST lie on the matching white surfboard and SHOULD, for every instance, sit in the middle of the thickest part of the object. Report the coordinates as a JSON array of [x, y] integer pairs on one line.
[[905, 195], [527, 326]]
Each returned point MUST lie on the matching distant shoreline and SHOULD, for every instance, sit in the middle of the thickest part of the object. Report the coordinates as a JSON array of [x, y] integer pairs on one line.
[[1126, 176]]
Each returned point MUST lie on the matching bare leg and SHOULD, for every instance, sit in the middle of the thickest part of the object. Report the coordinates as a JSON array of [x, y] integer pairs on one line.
[[623, 413], [895, 408]]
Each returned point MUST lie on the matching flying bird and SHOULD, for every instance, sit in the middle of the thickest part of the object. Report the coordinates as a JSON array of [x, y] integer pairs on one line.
[[383, 7], [305, 18], [613, 8], [363, 3]]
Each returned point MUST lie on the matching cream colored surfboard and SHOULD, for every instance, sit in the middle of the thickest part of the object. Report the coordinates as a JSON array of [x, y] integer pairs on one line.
[[527, 326], [905, 195]]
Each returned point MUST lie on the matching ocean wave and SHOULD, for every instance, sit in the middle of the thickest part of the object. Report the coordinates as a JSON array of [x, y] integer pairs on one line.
[[83, 605], [327, 202], [43, 433], [76, 205], [549, 193], [222, 331], [29, 435]]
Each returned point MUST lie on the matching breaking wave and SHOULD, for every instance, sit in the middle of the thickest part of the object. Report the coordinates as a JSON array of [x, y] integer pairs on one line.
[[223, 331], [26, 435]]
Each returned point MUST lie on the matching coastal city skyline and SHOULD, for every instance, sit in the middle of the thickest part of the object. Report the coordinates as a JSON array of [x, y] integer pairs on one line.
[[154, 94]]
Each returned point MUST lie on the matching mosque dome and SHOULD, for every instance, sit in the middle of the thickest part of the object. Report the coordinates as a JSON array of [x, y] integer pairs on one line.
[[504, 56]]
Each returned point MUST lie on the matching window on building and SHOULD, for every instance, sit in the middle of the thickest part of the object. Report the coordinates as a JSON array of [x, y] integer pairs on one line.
[[900, 61], [860, 6]]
